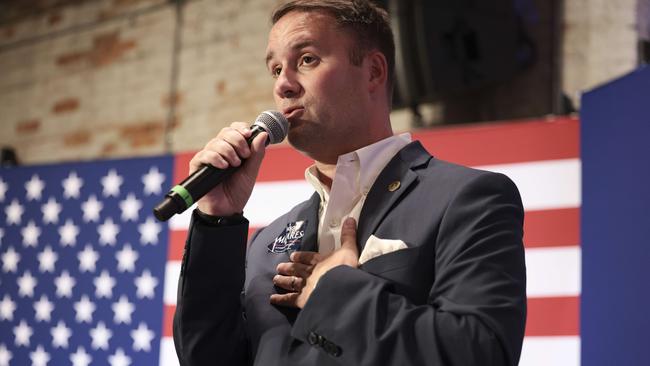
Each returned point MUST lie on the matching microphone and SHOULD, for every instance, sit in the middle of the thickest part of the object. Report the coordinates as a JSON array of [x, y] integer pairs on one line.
[[184, 194]]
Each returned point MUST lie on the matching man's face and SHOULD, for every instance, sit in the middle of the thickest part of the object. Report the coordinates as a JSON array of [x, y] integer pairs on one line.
[[316, 87]]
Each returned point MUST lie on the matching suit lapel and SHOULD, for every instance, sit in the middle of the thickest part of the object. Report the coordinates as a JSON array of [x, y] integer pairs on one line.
[[310, 214], [383, 195]]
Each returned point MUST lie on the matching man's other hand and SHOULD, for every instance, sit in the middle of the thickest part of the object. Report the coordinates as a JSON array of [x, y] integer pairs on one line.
[[347, 254]]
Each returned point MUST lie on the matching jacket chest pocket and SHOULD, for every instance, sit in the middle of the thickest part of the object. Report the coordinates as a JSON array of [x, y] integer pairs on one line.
[[410, 271]]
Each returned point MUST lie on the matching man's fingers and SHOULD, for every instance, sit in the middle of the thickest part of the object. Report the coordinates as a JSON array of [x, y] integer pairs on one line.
[[294, 269], [290, 299], [289, 283], [349, 234], [309, 258], [257, 151]]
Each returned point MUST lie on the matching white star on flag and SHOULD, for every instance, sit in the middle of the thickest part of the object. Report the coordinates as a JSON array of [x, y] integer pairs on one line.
[[39, 357], [100, 335], [3, 189], [10, 260], [5, 355], [22, 334], [87, 259], [104, 285], [26, 284], [84, 309], [46, 260], [119, 358], [91, 209], [153, 181], [51, 211], [111, 183], [64, 284], [130, 207], [146, 284], [68, 233], [122, 310], [149, 231], [43, 309], [72, 185], [126, 258], [60, 335], [142, 338], [14, 212], [30, 234], [7, 308], [108, 232], [34, 188], [80, 358]]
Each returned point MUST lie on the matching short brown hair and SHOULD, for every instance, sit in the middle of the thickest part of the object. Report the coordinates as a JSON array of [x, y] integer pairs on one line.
[[365, 21]]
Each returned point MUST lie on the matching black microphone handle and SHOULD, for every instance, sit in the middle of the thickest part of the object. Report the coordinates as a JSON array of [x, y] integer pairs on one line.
[[191, 189]]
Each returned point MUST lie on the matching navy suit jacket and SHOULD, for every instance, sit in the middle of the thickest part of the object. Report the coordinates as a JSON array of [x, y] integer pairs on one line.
[[455, 296]]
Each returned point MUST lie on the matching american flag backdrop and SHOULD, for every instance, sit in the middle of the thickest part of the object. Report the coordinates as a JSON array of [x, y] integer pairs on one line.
[[82, 263], [119, 308]]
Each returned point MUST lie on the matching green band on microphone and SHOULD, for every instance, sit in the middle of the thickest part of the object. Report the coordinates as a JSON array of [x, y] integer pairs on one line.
[[184, 194]]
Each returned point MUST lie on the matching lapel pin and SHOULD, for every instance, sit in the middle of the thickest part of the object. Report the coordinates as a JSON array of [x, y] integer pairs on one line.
[[290, 239], [394, 186]]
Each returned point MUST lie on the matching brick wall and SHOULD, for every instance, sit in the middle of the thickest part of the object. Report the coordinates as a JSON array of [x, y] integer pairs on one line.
[[87, 81], [600, 39], [101, 78]]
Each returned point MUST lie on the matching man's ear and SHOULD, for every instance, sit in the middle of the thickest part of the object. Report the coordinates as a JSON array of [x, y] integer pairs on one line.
[[378, 71]]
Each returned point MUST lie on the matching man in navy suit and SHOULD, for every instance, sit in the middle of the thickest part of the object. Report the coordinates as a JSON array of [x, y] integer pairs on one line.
[[397, 259]]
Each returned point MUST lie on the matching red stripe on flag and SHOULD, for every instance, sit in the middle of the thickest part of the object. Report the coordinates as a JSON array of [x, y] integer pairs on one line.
[[176, 244], [168, 320], [251, 231], [283, 163], [485, 144], [547, 316], [504, 143], [181, 166], [553, 316], [552, 228], [543, 228]]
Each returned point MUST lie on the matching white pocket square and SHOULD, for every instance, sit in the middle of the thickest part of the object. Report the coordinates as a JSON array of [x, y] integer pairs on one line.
[[375, 247]]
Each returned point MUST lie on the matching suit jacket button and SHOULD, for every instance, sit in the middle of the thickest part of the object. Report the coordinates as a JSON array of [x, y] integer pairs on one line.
[[312, 338], [332, 349], [337, 351]]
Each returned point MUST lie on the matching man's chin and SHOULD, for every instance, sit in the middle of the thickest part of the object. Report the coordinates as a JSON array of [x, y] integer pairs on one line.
[[300, 139]]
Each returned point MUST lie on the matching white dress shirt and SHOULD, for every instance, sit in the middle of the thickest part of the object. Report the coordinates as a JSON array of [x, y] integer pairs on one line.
[[355, 174]]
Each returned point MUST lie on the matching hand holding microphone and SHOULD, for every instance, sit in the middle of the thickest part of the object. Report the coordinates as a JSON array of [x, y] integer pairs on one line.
[[223, 174]]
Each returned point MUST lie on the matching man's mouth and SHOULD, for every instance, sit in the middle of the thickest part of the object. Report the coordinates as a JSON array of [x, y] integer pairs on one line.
[[292, 112]]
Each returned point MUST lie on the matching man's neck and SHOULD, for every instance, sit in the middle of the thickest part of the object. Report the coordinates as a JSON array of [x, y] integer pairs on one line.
[[326, 167], [325, 173]]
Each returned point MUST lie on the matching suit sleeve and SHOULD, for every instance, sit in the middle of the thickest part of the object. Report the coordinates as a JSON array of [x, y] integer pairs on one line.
[[476, 308], [208, 323]]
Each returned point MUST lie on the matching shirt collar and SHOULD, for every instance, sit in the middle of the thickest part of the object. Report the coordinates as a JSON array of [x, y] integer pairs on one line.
[[372, 160]]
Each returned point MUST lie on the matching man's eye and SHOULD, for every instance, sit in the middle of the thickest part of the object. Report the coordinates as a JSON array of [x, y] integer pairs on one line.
[[307, 60], [275, 72]]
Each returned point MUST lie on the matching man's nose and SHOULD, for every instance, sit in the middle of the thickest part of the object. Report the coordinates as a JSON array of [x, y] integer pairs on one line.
[[286, 85]]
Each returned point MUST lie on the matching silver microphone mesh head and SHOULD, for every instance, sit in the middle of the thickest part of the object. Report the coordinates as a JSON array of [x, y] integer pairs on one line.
[[275, 124]]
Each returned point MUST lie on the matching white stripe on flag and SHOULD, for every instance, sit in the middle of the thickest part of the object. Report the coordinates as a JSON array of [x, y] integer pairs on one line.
[[268, 201], [168, 352], [172, 273], [536, 351], [544, 185], [553, 271], [555, 351]]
